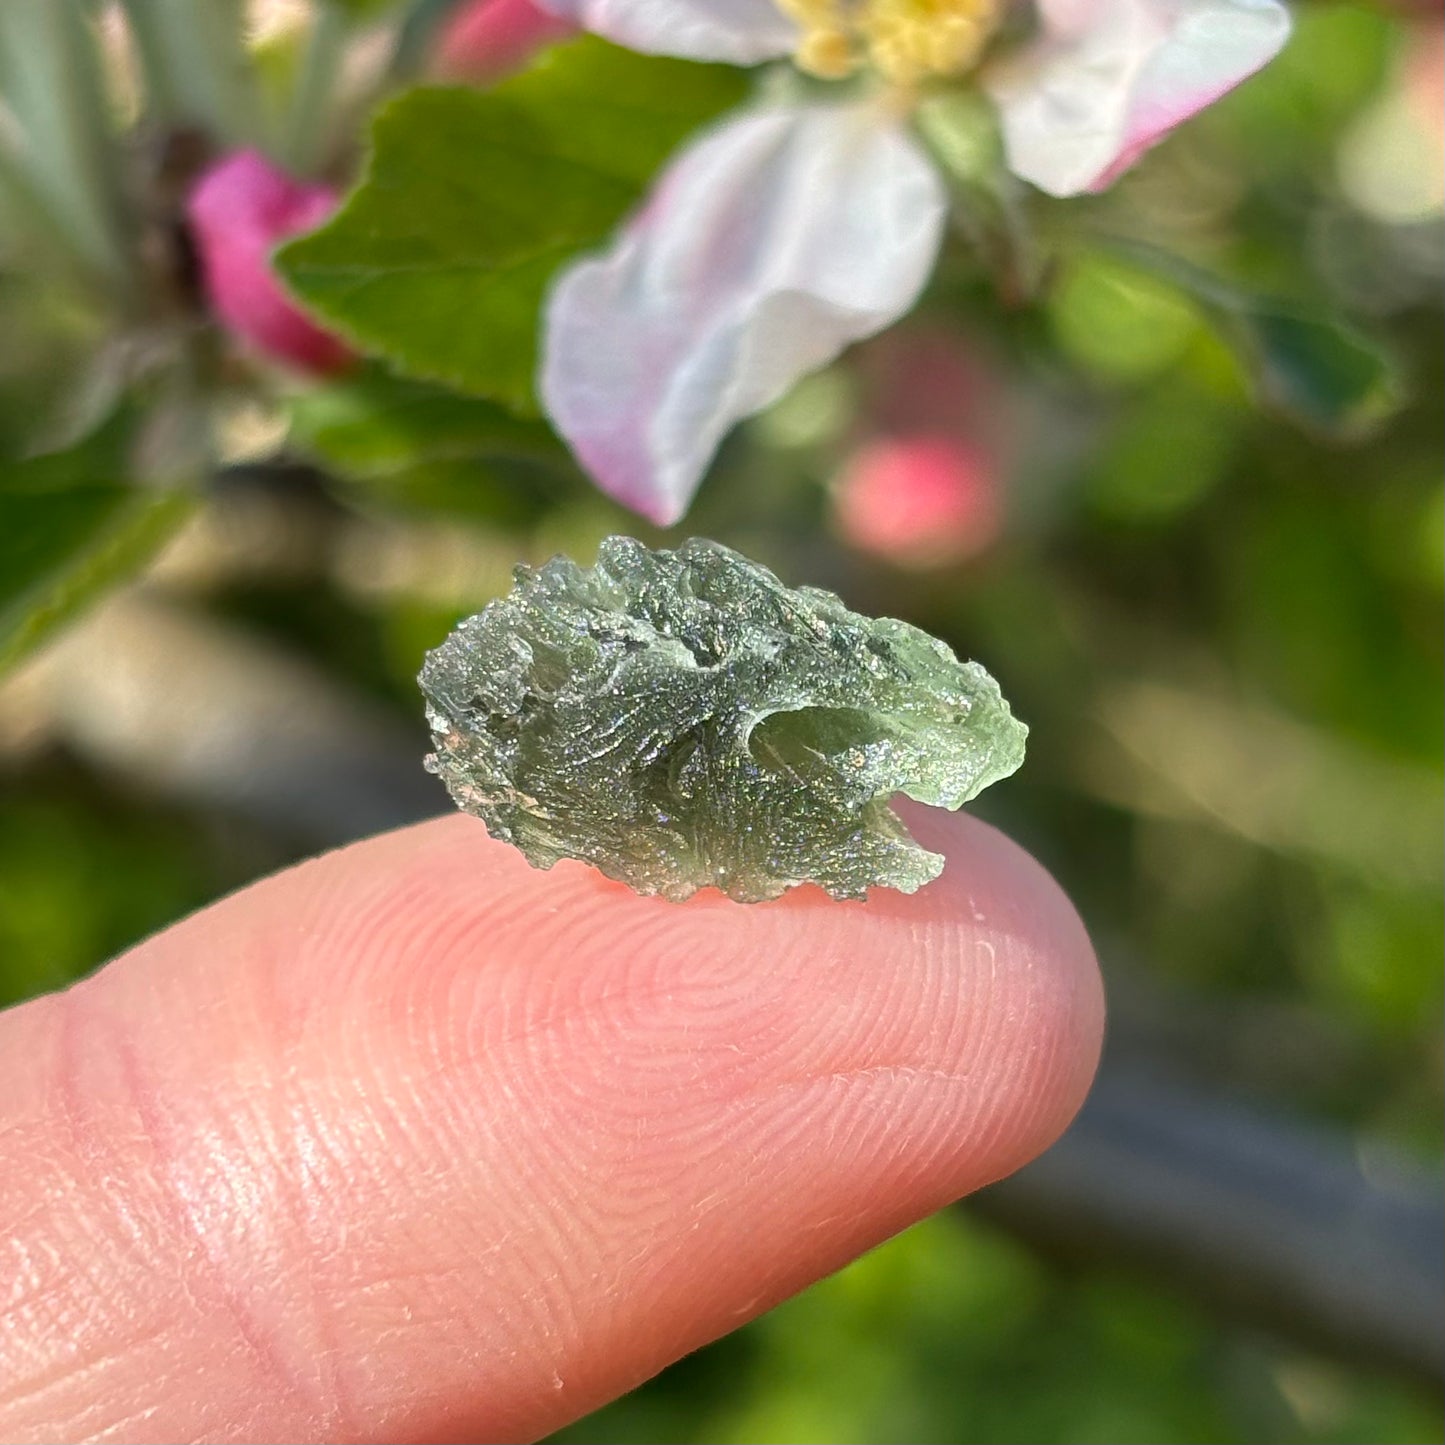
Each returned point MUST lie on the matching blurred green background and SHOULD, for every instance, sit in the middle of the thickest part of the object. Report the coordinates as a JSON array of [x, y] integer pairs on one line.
[[1212, 588]]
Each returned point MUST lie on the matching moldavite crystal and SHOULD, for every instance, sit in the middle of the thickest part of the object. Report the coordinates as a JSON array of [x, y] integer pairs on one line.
[[680, 719]]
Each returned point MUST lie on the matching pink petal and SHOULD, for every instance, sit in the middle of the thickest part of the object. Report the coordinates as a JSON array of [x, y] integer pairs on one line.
[[241, 209], [771, 244], [485, 40], [1110, 78], [919, 500], [742, 32]]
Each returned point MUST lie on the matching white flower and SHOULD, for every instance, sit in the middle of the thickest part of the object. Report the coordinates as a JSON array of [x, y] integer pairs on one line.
[[782, 236]]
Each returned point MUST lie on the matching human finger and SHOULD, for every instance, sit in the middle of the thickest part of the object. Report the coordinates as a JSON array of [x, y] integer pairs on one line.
[[415, 1142]]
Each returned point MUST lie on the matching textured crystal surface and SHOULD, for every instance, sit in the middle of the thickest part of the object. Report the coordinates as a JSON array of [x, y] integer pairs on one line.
[[682, 719]]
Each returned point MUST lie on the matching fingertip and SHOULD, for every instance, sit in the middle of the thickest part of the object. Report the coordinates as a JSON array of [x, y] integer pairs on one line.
[[1043, 1013], [469, 1146]]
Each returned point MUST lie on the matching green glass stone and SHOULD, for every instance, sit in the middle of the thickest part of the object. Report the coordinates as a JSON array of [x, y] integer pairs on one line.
[[682, 720]]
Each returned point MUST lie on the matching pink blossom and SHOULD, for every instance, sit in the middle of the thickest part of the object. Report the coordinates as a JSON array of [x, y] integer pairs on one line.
[[783, 235], [485, 40], [240, 210], [919, 500]]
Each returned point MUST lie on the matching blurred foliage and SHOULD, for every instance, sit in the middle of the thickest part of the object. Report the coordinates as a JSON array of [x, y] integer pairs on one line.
[[85, 872], [1223, 626], [70, 528], [1311, 369], [951, 1332]]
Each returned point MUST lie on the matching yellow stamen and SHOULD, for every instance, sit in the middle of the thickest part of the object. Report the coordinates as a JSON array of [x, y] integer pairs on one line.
[[828, 53], [906, 40]]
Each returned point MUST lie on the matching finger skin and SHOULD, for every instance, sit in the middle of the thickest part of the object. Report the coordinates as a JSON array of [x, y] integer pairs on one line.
[[414, 1142]]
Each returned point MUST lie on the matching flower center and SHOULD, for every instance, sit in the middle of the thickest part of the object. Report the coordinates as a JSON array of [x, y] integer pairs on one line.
[[905, 40]]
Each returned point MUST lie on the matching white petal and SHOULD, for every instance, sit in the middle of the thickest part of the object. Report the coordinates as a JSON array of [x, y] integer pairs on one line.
[[1109, 78], [742, 32], [770, 245]]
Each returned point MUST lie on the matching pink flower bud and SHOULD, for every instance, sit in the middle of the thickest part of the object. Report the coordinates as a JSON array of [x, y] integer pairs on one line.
[[919, 500], [485, 40], [240, 210]]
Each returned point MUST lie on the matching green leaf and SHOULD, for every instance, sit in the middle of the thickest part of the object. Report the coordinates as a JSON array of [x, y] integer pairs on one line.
[[1320, 372], [439, 261], [371, 422], [69, 530], [1314, 369], [418, 446]]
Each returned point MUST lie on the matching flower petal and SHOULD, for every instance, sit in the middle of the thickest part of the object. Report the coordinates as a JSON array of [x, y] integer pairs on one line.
[[240, 209], [770, 245], [742, 32], [485, 40], [1110, 78]]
